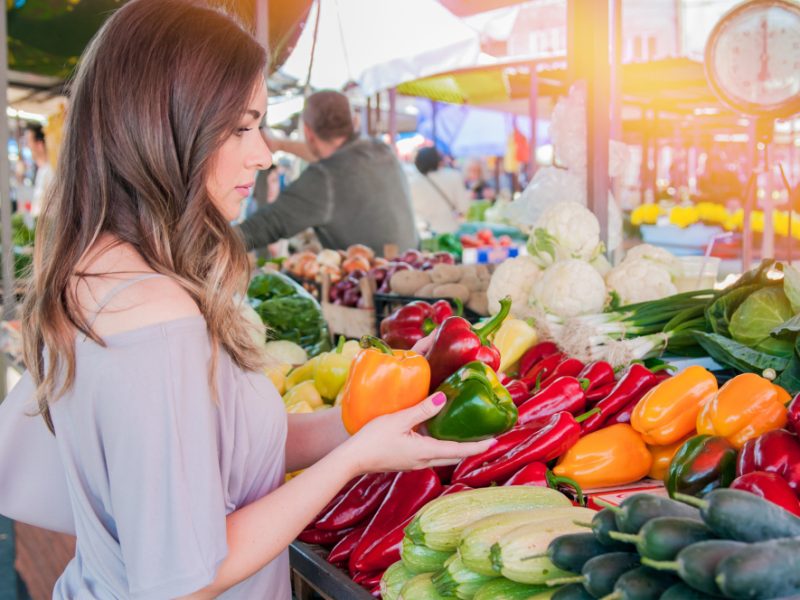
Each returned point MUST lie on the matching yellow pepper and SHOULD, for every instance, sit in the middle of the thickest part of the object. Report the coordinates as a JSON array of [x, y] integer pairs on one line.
[[512, 340], [668, 412], [744, 408], [299, 407], [277, 374], [302, 373], [303, 392], [608, 457], [330, 371], [662, 457]]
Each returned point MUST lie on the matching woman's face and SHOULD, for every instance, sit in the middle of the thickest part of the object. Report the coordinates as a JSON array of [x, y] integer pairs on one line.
[[244, 152]]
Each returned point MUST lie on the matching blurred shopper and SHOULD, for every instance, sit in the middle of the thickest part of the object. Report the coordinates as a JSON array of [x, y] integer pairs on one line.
[[479, 188], [353, 192], [438, 194], [34, 136]]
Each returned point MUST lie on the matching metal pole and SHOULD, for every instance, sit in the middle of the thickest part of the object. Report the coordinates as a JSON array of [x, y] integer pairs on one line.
[[434, 110], [533, 109], [393, 118], [9, 300]]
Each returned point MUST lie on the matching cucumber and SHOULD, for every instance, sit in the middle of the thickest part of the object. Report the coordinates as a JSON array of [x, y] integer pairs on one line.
[[421, 559], [600, 573], [602, 524], [638, 509], [505, 589], [768, 569], [642, 584], [663, 537], [745, 517], [420, 587], [573, 591], [393, 580], [697, 564], [570, 552], [681, 591]]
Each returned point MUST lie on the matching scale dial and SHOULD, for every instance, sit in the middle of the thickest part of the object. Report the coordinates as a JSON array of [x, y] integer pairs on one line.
[[753, 58]]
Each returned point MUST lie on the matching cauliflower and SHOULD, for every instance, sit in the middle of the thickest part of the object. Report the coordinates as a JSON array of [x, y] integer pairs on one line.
[[565, 230], [639, 280], [514, 277], [570, 288], [654, 254]]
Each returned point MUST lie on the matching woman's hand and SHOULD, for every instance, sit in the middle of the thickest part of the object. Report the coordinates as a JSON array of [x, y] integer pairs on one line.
[[391, 442]]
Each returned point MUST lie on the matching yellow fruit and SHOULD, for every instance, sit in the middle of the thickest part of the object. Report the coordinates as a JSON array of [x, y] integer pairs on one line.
[[303, 392], [277, 375]]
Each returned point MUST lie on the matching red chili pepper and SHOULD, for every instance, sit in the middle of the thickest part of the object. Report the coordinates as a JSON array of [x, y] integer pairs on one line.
[[445, 473], [633, 384], [599, 374], [406, 326], [359, 503], [569, 367], [518, 390], [794, 414], [624, 416], [367, 579], [341, 552], [376, 591], [503, 443], [776, 451], [598, 394], [312, 535], [534, 355], [769, 486], [541, 370], [551, 441], [457, 343], [538, 474], [410, 491], [334, 501], [563, 394]]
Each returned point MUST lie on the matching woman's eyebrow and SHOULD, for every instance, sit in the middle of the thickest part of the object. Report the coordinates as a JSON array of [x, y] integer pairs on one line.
[[253, 113]]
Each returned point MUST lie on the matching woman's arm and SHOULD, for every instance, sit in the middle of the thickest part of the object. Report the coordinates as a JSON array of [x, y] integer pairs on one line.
[[312, 436]]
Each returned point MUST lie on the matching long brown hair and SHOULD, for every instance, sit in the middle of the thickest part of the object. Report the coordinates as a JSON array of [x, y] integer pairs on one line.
[[158, 90]]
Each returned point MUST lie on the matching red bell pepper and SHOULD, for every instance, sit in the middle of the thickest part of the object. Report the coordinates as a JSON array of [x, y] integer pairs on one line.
[[569, 367], [503, 443], [769, 486], [518, 390], [537, 474], [551, 441], [563, 394], [312, 535], [633, 384], [359, 503], [410, 491], [776, 451], [541, 370], [457, 343], [341, 552], [599, 374], [406, 326], [599, 393], [794, 414], [535, 355]]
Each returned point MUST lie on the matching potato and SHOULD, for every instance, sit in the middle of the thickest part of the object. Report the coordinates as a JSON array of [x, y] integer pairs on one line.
[[452, 290], [426, 291], [443, 273], [483, 273], [479, 303], [406, 283], [472, 283]]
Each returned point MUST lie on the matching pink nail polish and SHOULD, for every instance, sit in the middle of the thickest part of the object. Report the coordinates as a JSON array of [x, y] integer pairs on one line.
[[439, 398]]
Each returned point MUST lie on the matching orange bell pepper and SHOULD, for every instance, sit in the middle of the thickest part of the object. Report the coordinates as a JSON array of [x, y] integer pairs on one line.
[[662, 457], [382, 381], [744, 408], [608, 457], [668, 412]]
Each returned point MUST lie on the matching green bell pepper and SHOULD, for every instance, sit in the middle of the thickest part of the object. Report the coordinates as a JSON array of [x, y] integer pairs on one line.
[[478, 406], [289, 312], [701, 464]]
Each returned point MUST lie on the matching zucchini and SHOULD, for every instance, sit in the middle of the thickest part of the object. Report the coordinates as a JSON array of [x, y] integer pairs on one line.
[[681, 591], [573, 591], [521, 554], [477, 539], [697, 564], [768, 569], [457, 580], [439, 523], [745, 517], [642, 584], [420, 587], [600, 574], [505, 589], [663, 537], [570, 552], [638, 509], [393, 581], [421, 559]]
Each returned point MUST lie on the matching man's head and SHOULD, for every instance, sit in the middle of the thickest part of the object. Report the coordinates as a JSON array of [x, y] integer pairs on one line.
[[428, 160], [328, 122], [34, 137]]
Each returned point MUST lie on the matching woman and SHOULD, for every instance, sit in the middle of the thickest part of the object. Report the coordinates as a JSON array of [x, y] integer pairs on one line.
[[173, 445], [438, 195]]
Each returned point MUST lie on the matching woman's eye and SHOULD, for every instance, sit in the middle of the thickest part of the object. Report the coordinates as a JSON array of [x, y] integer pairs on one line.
[[241, 130]]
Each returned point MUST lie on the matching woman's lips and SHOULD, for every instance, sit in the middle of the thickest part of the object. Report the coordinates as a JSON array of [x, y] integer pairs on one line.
[[244, 190]]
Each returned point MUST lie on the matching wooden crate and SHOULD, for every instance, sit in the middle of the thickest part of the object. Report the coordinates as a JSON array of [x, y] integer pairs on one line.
[[346, 320]]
